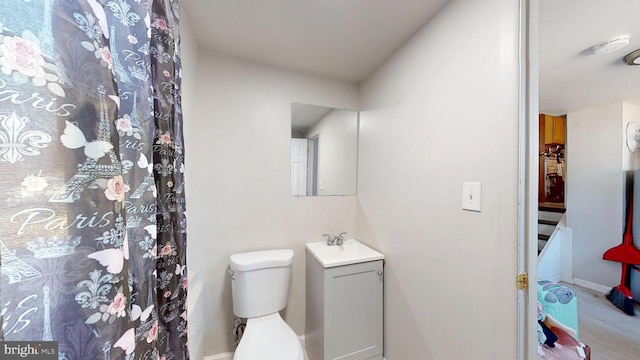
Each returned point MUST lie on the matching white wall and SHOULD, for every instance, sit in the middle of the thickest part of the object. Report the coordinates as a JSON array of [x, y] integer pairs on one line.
[[443, 110], [337, 152], [595, 193], [597, 156], [189, 55], [238, 159]]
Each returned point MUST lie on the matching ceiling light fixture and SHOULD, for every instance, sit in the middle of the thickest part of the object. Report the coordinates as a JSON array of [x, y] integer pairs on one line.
[[612, 45], [632, 58]]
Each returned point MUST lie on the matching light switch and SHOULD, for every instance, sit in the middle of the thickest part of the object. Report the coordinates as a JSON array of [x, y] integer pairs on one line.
[[472, 196]]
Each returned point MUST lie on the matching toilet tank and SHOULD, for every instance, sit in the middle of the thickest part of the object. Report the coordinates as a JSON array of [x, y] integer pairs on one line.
[[260, 282]]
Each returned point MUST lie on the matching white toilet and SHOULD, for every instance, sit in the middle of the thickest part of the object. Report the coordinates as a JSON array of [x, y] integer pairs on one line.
[[260, 282]]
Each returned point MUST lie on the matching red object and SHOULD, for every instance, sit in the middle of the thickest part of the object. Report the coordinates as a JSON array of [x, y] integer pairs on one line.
[[626, 252], [620, 296]]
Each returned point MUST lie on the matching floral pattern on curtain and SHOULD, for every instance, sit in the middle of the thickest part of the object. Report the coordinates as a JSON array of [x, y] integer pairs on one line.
[[92, 206]]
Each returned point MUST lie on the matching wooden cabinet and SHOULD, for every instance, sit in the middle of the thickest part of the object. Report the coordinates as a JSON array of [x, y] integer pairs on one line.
[[344, 311], [554, 129]]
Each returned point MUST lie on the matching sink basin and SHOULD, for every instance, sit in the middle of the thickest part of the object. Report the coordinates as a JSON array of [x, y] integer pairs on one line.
[[351, 252]]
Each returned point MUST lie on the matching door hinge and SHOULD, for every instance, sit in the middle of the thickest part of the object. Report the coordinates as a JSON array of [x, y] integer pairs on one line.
[[522, 281]]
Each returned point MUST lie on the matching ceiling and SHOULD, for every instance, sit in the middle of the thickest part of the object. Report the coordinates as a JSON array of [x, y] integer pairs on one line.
[[571, 77], [348, 40], [337, 39]]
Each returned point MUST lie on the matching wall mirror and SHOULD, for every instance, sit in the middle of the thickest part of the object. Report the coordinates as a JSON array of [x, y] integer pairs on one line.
[[324, 150]]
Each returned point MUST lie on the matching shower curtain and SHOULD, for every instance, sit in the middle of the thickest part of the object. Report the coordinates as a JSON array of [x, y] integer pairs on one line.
[[92, 206]]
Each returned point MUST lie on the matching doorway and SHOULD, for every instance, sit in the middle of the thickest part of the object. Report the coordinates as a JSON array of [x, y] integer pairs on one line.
[[552, 161], [559, 96]]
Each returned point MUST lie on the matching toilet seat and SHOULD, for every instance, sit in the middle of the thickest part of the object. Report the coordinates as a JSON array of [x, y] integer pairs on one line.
[[269, 338]]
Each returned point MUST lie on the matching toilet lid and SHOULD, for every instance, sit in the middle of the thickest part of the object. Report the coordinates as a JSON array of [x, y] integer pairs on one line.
[[269, 338]]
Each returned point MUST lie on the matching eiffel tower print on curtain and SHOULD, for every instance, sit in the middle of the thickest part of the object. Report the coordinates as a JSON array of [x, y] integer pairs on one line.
[[91, 170]]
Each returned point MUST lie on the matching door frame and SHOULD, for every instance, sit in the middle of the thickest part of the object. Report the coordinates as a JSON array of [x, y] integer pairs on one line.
[[528, 176]]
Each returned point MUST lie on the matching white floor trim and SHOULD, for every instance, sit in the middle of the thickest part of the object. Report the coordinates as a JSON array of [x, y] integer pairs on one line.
[[223, 356], [591, 285]]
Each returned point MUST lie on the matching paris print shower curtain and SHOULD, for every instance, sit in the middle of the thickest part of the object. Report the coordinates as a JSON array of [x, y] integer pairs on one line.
[[92, 207]]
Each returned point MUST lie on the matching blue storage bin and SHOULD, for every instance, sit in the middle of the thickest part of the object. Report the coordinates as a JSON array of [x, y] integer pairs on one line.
[[560, 302]]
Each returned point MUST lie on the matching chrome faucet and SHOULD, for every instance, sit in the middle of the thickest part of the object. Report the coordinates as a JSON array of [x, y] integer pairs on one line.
[[335, 240], [330, 240]]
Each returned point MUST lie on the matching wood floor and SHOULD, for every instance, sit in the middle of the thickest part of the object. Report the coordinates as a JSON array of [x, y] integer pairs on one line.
[[611, 334]]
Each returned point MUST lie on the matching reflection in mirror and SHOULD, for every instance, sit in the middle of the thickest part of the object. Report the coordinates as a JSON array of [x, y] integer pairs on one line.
[[324, 150]]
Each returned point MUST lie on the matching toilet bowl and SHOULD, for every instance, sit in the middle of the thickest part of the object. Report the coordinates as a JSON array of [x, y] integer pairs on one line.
[[269, 338], [260, 283]]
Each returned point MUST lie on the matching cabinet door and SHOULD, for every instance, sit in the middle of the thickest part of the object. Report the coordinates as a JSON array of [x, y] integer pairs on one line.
[[553, 129], [353, 311], [559, 124]]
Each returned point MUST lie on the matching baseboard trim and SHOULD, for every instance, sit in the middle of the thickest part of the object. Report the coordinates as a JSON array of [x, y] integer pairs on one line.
[[223, 356], [567, 279], [591, 285], [561, 278]]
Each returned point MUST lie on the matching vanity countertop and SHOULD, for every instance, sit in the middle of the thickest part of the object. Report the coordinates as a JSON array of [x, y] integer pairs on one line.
[[351, 251]]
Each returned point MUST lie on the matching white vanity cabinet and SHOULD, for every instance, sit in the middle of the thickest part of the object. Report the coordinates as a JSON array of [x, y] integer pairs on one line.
[[344, 310]]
